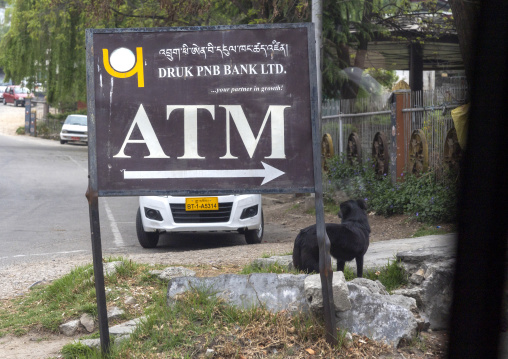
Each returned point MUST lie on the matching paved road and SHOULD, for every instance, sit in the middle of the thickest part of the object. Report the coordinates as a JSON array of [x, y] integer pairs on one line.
[[44, 211]]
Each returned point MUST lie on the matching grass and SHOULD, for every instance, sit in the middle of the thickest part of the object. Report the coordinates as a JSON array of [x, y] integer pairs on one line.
[[428, 230], [198, 320], [329, 207], [271, 268], [46, 307]]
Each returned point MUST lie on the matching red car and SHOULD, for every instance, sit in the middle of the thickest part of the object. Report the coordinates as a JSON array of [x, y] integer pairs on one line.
[[16, 95]]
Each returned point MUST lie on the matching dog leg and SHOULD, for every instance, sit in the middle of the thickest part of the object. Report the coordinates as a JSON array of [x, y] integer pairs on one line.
[[359, 266], [340, 265]]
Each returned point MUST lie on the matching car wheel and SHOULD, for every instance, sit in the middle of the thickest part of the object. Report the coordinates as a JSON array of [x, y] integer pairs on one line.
[[5, 103], [63, 142], [254, 236], [146, 239]]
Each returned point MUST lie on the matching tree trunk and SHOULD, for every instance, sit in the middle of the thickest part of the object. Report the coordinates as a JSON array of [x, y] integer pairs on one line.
[[363, 42]]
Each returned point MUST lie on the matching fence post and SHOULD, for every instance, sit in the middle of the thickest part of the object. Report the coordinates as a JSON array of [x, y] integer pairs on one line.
[[399, 134]]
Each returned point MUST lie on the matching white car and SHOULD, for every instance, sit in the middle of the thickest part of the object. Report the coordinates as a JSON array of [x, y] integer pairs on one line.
[[74, 129], [238, 213]]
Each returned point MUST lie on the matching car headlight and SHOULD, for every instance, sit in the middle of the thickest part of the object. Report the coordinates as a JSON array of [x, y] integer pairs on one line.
[[86, 133], [64, 131]]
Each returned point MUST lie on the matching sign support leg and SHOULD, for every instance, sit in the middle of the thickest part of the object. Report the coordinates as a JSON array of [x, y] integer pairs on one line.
[[325, 271], [93, 205]]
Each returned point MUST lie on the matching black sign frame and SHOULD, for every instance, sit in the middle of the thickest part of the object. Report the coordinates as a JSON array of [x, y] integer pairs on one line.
[[99, 149]]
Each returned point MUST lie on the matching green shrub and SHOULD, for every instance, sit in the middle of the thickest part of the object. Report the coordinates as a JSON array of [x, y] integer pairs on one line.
[[426, 198], [43, 130]]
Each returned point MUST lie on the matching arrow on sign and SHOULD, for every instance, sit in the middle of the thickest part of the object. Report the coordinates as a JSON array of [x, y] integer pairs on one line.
[[269, 173]]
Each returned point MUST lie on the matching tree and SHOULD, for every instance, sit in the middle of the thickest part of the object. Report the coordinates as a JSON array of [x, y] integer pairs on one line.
[[46, 40]]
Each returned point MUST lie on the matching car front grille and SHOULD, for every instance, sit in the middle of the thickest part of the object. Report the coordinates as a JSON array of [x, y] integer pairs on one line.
[[180, 215], [75, 133]]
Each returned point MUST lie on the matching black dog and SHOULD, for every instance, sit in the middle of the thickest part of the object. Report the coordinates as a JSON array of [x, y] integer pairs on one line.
[[348, 240]]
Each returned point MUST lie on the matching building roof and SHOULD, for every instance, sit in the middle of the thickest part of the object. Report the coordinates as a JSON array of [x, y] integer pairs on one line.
[[394, 55]]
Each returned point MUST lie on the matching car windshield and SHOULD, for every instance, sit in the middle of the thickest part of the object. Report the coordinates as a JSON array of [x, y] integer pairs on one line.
[[21, 90], [76, 120]]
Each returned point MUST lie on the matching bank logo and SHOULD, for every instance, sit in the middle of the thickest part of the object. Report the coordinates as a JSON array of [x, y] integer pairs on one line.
[[123, 63]]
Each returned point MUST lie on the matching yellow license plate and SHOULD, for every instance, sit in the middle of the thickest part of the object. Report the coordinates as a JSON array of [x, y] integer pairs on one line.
[[202, 204]]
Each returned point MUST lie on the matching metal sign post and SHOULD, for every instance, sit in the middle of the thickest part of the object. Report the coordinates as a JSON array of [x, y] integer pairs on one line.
[[176, 111]]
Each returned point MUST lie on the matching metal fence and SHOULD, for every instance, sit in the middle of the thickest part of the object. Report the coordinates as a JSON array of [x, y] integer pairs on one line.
[[424, 112], [365, 117], [429, 111]]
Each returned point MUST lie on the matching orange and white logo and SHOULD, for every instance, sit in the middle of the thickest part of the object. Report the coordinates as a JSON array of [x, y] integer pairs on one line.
[[123, 63]]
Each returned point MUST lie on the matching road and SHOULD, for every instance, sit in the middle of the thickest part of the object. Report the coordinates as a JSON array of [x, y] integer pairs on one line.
[[44, 213]]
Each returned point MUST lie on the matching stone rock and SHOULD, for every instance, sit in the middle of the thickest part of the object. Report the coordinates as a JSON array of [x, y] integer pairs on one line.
[[275, 292], [125, 328], [111, 267], [130, 301], [122, 338], [88, 322], [377, 316], [348, 340], [436, 294], [431, 274], [414, 260], [70, 328], [115, 313], [91, 343], [375, 287], [418, 277], [119, 333], [314, 292], [174, 272], [283, 261]]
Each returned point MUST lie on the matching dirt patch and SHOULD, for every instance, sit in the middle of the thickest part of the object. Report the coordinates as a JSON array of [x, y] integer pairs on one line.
[[33, 346], [295, 212]]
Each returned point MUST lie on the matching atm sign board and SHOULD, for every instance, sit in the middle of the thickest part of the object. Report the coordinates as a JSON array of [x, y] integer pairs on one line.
[[227, 109]]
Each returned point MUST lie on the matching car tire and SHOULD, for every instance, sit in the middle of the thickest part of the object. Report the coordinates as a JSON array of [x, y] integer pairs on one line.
[[255, 236], [146, 239], [5, 103], [63, 142]]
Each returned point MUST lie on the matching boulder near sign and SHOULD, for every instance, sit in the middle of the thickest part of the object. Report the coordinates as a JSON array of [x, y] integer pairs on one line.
[[195, 110]]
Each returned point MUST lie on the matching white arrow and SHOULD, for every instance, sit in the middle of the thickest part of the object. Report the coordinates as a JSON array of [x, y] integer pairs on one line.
[[268, 172]]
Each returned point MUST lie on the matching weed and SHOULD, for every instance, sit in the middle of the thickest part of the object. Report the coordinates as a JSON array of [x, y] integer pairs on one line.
[[78, 350], [20, 130], [271, 268], [392, 276]]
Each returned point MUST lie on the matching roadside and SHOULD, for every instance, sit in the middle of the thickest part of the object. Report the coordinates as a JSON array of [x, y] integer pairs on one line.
[[11, 119]]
